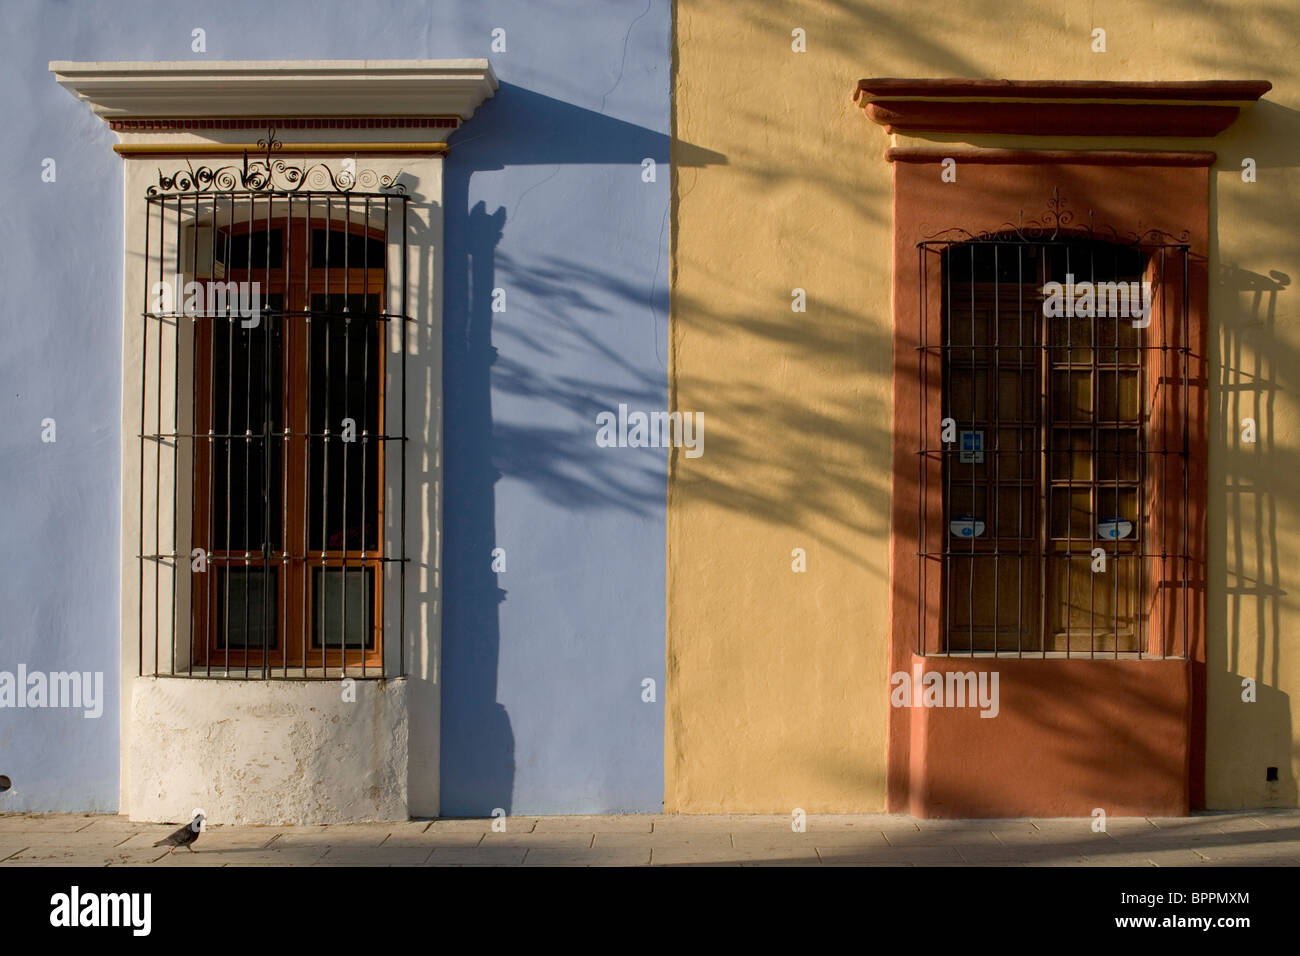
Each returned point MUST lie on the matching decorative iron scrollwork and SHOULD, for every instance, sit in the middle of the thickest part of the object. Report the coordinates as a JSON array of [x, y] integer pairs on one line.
[[1056, 223], [270, 175]]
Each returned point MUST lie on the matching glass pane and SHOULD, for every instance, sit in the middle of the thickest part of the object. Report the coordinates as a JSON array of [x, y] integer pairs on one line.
[[1015, 516], [969, 500], [1095, 259], [1071, 454], [1117, 513], [344, 490], [1117, 342], [1073, 332], [968, 395], [247, 421], [1017, 325], [1017, 453], [343, 608], [1071, 397], [247, 608], [1071, 514], [1017, 395], [1117, 396], [1117, 454], [968, 323], [331, 249], [258, 249]]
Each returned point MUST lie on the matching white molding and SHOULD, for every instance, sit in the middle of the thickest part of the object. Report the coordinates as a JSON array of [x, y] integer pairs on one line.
[[253, 88]]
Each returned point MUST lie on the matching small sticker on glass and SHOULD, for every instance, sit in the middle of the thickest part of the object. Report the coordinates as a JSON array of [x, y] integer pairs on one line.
[[972, 448]]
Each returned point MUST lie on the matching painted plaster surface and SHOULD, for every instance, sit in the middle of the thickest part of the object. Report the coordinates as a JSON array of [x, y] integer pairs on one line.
[[545, 198], [777, 680], [271, 752]]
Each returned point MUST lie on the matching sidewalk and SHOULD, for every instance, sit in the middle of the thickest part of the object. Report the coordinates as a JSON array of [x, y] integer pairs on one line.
[[1254, 838]]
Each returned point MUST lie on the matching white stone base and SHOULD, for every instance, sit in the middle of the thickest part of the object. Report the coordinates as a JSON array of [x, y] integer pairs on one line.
[[267, 752]]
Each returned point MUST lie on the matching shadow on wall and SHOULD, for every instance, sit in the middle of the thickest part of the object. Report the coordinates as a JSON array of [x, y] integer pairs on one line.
[[1247, 361], [750, 474], [518, 127]]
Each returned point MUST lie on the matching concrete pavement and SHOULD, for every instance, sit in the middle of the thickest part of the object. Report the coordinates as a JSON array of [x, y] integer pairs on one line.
[[1247, 838]]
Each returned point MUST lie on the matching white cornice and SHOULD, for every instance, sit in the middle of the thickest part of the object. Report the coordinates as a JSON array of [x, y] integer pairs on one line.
[[254, 88]]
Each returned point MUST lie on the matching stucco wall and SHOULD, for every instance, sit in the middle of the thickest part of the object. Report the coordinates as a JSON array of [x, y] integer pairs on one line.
[[268, 752], [777, 679], [541, 665]]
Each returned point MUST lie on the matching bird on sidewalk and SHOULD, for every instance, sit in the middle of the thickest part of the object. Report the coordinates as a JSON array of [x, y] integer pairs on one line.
[[185, 836]]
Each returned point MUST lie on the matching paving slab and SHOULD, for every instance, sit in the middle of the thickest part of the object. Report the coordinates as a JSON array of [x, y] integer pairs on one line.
[[698, 839], [811, 838], [431, 840], [1284, 853], [989, 825], [1126, 826], [77, 856], [210, 839], [292, 832], [290, 856], [596, 856], [1141, 858], [679, 855], [873, 863], [115, 824], [1248, 838], [949, 836], [1081, 833], [16, 862], [476, 855], [1273, 819], [1043, 853], [375, 856], [36, 822], [859, 821], [484, 825], [820, 836], [632, 823], [571, 839], [780, 863], [889, 855], [101, 841], [727, 822], [333, 836]]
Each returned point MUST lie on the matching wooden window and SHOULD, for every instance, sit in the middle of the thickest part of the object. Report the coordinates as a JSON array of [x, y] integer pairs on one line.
[[1050, 510], [289, 486]]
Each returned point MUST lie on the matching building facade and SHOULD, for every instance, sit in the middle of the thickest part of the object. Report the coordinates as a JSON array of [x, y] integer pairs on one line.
[[359, 468]]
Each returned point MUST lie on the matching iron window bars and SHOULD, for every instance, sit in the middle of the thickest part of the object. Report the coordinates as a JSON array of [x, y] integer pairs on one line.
[[272, 522], [1068, 443]]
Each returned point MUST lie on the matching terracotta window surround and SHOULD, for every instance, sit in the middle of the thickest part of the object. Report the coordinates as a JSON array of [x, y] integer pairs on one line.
[[1072, 734]]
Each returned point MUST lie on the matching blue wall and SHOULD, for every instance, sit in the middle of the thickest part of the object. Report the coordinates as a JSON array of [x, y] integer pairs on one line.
[[542, 665]]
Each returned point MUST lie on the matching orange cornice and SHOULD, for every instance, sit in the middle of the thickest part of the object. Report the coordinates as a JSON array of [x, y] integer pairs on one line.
[[1056, 107]]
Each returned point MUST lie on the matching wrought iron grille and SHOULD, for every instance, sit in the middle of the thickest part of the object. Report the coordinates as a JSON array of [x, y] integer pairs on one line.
[[272, 459], [1053, 444]]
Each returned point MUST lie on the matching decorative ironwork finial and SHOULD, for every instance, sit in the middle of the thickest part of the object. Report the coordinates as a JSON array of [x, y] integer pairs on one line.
[[1056, 223], [271, 176], [270, 142]]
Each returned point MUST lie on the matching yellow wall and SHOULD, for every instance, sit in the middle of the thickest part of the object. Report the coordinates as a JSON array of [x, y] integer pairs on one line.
[[777, 685]]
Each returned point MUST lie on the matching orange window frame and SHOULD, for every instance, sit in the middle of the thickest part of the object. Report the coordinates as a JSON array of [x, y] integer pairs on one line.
[[928, 750]]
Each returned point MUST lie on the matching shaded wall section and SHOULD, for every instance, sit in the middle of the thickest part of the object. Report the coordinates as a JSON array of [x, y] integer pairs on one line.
[[543, 663], [778, 680]]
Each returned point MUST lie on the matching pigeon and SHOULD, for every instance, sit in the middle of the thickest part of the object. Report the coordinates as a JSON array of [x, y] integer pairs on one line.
[[185, 836]]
